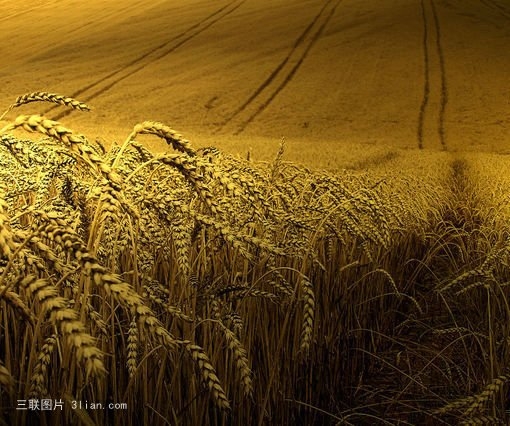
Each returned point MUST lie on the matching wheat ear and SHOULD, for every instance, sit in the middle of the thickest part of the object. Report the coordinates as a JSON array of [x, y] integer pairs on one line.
[[46, 97], [308, 314], [66, 319], [208, 374], [77, 143], [158, 129]]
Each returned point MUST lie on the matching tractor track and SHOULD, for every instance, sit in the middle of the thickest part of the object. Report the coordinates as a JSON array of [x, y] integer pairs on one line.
[[426, 83], [444, 87], [497, 8], [104, 18], [148, 58], [24, 11], [280, 77], [435, 88]]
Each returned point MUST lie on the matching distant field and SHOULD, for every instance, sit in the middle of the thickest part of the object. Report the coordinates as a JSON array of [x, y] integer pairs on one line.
[[347, 73]]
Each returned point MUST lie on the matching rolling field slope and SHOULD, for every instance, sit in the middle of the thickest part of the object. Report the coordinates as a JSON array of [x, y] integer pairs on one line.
[[401, 74]]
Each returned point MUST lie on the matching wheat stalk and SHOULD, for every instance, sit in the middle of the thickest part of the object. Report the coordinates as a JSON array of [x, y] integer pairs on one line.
[[132, 348], [66, 319], [77, 143], [39, 375], [46, 97], [488, 393], [16, 302], [158, 129], [241, 359], [7, 244], [208, 374], [308, 314], [6, 379], [161, 130], [482, 420]]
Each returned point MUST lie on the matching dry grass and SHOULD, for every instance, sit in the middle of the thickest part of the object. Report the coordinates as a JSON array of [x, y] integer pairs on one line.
[[215, 290]]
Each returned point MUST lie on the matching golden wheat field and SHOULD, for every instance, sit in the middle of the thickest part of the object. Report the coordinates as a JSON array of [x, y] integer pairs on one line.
[[251, 212]]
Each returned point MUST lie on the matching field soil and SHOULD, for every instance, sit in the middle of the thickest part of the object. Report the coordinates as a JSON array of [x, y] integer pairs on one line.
[[331, 76]]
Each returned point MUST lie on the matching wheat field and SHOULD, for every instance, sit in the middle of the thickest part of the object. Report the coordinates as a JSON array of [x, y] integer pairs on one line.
[[198, 287]]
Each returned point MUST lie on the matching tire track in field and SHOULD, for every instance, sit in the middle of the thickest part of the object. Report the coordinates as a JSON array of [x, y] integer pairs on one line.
[[497, 8], [426, 84], [110, 80], [435, 88], [444, 87], [23, 12], [105, 17], [283, 73]]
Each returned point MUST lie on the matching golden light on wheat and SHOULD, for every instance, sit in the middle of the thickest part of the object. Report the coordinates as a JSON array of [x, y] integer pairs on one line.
[[199, 287]]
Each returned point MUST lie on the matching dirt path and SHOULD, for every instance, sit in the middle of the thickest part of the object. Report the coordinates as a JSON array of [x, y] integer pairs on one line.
[[357, 74]]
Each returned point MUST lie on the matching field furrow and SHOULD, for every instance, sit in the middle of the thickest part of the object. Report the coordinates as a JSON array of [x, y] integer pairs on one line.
[[431, 122]]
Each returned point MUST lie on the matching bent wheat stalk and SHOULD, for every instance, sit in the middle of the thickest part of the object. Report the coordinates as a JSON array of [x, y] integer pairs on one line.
[[77, 143], [159, 129], [46, 97]]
